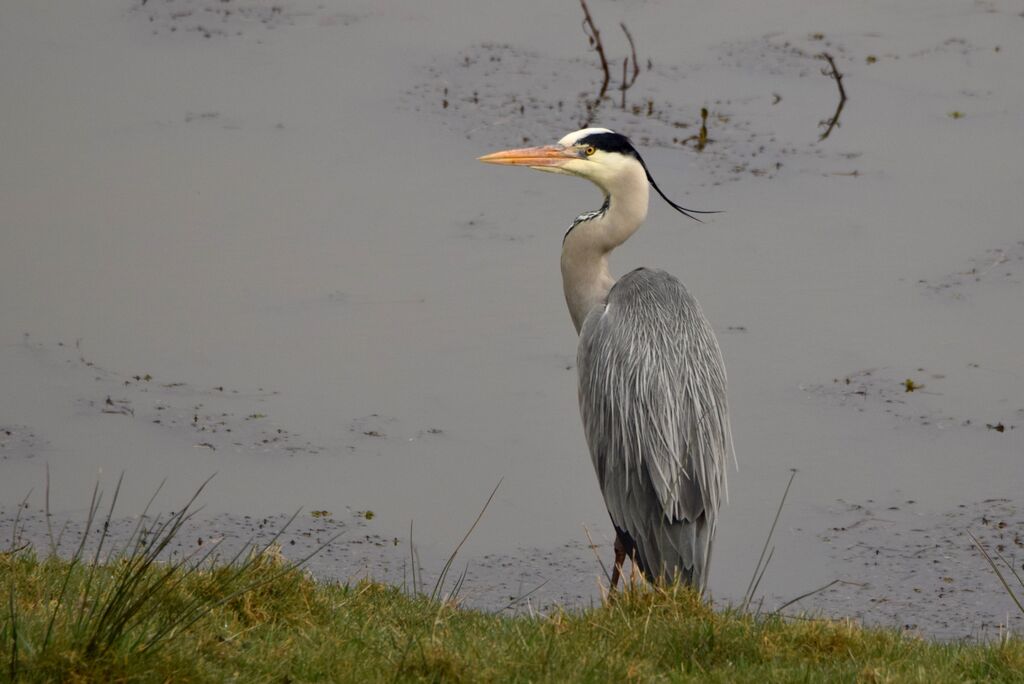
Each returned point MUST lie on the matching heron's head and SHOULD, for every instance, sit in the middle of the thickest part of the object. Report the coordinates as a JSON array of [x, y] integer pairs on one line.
[[604, 157]]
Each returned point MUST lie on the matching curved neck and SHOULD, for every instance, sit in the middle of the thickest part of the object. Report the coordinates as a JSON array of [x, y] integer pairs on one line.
[[585, 276]]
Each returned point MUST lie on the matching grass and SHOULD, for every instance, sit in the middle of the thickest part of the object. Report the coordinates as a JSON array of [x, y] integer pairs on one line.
[[288, 627], [129, 614]]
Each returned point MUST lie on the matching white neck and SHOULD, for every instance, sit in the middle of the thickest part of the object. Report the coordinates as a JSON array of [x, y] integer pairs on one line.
[[585, 276]]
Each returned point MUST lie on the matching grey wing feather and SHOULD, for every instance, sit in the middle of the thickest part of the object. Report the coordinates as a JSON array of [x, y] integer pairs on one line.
[[652, 396]]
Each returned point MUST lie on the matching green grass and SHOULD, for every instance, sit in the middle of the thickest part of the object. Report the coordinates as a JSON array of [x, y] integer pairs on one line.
[[121, 613], [288, 627]]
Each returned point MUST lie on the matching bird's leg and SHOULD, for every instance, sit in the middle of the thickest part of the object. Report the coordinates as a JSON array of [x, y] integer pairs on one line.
[[620, 558]]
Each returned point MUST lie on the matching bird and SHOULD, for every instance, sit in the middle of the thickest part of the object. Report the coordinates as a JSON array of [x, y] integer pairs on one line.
[[651, 377]]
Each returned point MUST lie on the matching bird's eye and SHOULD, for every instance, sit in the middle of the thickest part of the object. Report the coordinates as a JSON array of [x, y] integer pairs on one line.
[[590, 150]]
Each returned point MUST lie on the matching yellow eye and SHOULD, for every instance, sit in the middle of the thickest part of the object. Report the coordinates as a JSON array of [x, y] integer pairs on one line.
[[590, 150]]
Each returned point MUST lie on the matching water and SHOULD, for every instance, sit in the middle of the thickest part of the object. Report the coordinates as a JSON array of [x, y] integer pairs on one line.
[[282, 224]]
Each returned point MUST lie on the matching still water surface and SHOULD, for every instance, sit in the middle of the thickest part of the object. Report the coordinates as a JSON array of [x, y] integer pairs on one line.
[[276, 221]]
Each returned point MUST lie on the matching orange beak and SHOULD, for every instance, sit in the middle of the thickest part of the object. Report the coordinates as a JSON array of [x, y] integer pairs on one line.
[[546, 155]]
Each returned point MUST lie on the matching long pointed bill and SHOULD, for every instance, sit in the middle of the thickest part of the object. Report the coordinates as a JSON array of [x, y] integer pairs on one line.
[[546, 155]]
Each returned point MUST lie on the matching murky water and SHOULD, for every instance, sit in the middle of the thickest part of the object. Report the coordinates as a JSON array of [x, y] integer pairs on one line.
[[253, 239]]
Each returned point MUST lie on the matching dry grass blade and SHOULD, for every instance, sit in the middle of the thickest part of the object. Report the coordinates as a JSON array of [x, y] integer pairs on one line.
[[49, 526], [820, 589], [134, 536], [760, 576], [522, 597], [12, 607], [1008, 564], [999, 574], [14, 526], [762, 564], [439, 585], [593, 547], [412, 561]]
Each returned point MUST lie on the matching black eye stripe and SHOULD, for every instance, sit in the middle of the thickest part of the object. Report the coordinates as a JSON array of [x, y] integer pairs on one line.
[[610, 142]]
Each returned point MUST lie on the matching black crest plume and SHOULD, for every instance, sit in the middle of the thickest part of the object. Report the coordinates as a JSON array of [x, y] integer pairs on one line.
[[616, 142]]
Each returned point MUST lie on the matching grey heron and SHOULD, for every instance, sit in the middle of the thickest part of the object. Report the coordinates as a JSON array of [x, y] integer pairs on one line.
[[652, 384]]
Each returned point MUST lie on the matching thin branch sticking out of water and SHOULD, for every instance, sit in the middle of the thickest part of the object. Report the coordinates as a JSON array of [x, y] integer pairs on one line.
[[594, 37], [833, 72], [628, 76], [628, 82]]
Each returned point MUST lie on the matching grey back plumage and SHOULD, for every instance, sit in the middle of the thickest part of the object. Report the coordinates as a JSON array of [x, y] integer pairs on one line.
[[652, 392]]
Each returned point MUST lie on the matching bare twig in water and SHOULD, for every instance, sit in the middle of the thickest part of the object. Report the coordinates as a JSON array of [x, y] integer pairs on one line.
[[762, 563], [702, 138], [629, 76], [627, 82], [594, 37], [999, 574], [834, 73]]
